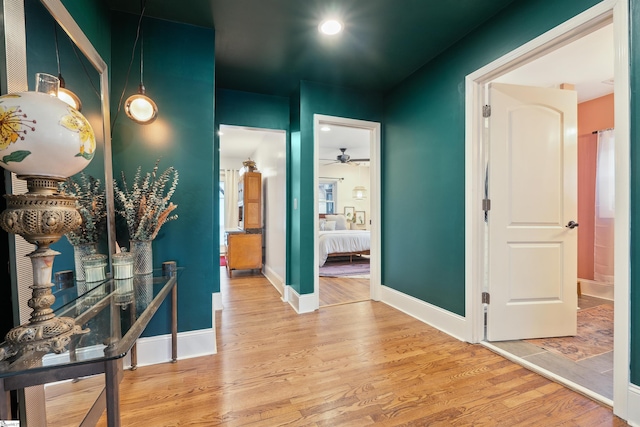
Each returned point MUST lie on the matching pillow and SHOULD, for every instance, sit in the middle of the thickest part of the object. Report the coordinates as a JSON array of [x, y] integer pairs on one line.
[[341, 221], [329, 225], [321, 223]]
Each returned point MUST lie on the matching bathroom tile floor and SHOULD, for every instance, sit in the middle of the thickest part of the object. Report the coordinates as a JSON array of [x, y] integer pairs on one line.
[[594, 373]]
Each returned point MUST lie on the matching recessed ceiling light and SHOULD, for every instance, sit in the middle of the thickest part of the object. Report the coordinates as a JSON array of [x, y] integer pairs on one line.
[[325, 128], [330, 27]]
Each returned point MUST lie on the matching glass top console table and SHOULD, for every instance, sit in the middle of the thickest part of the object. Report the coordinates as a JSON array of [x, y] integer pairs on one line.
[[113, 314]]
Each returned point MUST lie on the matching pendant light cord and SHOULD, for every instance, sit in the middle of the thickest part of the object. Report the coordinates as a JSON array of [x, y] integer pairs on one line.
[[55, 38], [143, 5]]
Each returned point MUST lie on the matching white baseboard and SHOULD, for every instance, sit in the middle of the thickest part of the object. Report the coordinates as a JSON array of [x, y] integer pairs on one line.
[[596, 289], [154, 350], [306, 303], [633, 406], [216, 301], [437, 317], [276, 280]]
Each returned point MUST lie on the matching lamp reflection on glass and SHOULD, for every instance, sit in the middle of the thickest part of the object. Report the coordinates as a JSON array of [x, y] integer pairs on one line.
[[43, 141], [65, 94]]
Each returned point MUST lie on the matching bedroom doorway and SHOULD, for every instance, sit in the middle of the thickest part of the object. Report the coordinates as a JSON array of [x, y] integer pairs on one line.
[[347, 206]]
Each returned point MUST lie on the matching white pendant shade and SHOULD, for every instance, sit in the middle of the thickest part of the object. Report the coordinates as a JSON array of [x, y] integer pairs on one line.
[[359, 193]]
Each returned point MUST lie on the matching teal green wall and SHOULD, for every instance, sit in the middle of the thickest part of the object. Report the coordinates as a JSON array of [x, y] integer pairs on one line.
[[93, 18], [316, 98], [423, 150], [635, 190], [254, 110], [179, 77]]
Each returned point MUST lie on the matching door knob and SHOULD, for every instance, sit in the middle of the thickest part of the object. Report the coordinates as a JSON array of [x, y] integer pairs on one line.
[[572, 224]]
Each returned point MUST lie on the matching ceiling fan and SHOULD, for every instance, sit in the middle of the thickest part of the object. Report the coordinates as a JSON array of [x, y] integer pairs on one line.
[[345, 158]]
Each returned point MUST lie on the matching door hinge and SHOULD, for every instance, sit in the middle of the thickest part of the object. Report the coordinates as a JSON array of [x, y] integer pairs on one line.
[[486, 205], [485, 298], [486, 111]]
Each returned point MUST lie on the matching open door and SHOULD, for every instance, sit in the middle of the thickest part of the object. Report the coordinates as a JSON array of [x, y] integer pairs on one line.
[[533, 192]]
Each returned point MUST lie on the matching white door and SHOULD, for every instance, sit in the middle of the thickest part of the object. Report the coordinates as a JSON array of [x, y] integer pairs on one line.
[[533, 191]]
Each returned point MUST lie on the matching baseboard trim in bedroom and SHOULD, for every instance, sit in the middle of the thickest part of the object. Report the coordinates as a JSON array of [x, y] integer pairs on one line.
[[437, 317], [633, 416]]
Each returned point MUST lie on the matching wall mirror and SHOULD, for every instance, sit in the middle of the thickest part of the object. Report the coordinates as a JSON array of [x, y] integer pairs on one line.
[[55, 44], [29, 29]]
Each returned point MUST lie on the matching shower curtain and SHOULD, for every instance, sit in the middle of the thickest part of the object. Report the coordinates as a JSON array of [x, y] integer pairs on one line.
[[604, 209]]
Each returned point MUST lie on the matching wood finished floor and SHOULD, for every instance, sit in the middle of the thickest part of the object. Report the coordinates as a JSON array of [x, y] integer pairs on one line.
[[595, 372], [344, 365], [343, 290]]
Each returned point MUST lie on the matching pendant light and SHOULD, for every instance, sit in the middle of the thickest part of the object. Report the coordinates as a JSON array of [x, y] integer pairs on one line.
[[64, 94], [139, 107], [359, 192]]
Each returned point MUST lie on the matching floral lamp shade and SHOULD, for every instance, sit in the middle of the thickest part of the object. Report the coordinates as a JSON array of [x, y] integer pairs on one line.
[[40, 135]]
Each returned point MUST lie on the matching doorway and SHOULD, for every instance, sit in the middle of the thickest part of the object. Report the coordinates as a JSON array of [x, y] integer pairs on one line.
[[582, 25], [267, 149], [347, 206], [343, 206]]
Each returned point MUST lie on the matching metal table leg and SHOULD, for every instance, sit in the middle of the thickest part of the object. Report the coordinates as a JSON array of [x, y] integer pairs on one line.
[[112, 386]]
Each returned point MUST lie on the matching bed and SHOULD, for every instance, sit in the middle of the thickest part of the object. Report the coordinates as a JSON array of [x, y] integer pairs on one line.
[[341, 242]]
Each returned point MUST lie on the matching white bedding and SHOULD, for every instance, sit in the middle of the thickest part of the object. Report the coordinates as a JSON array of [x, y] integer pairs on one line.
[[342, 241]]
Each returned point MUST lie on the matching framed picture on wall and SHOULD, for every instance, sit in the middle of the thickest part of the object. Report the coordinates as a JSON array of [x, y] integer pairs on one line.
[[349, 212], [360, 218]]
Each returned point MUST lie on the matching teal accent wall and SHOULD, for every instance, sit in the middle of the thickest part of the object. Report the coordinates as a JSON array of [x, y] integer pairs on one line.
[[316, 98], [94, 19], [423, 151], [634, 78], [237, 108], [255, 110], [179, 77]]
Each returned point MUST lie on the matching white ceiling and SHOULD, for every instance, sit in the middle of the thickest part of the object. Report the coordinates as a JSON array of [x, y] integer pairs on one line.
[[586, 63], [355, 140]]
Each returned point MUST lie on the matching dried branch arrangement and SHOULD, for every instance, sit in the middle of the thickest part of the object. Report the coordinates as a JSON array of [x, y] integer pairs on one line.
[[146, 206], [91, 204]]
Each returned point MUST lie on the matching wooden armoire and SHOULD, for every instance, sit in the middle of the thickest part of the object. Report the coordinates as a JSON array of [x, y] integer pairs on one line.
[[244, 247]]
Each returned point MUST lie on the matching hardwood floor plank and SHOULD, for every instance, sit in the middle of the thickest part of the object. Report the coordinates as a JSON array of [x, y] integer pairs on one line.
[[357, 364]]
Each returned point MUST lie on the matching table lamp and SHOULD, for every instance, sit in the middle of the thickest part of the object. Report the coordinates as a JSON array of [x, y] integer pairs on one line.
[[43, 141]]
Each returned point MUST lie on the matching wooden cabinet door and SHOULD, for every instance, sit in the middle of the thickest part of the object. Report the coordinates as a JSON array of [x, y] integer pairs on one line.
[[252, 200]]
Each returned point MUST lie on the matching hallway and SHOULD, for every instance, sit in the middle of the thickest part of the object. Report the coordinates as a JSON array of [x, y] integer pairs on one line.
[[357, 364]]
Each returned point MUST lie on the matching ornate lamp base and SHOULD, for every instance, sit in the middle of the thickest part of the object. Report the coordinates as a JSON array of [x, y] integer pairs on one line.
[[41, 216]]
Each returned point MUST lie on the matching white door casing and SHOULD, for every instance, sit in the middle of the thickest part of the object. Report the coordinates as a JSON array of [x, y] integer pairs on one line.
[[533, 193]]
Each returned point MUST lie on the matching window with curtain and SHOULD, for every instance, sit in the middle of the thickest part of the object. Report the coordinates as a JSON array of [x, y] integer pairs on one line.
[[327, 197]]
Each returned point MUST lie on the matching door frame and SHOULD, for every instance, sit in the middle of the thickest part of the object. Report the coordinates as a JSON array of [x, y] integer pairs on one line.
[[374, 197], [616, 11]]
